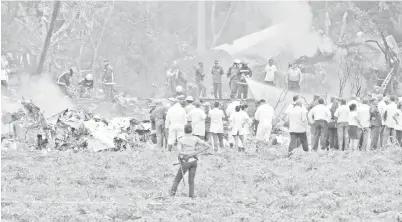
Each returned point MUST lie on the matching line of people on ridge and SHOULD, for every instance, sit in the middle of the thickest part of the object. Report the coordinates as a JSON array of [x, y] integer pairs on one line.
[[207, 121], [345, 125]]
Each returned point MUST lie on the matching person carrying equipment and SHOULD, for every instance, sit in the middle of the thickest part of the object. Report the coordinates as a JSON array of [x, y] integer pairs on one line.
[[234, 75], [245, 73], [64, 81], [86, 85], [187, 155], [108, 80]]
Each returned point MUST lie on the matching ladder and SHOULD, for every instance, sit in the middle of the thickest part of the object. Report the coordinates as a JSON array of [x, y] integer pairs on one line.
[[384, 84]]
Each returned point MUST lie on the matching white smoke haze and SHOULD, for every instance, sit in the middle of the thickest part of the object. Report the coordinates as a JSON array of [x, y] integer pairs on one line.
[[45, 94]]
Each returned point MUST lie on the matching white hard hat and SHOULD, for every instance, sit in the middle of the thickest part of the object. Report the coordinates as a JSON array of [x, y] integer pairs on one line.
[[179, 89], [237, 61], [89, 77], [189, 98]]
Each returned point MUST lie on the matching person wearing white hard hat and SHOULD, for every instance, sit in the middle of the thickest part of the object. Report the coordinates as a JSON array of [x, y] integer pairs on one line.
[[175, 122], [234, 75], [86, 85], [180, 92], [189, 107]]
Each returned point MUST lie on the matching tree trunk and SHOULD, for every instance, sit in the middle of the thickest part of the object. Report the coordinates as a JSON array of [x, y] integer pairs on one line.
[[48, 37], [216, 35], [201, 26]]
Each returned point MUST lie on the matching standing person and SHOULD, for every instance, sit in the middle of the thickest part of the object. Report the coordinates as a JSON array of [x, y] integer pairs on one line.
[[270, 73], [320, 116], [354, 125], [342, 115], [175, 121], [108, 80], [159, 115], [197, 116], [375, 122], [246, 126], [389, 121], [382, 105], [398, 126], [64, 81], [309, 107], [332, 130], [180, 92], [187, 155], [199, 79], [245, 73], [190, 106], [298, 126], [238, 121], [217, 116], [264, 115], [217, 73], [230, 109], [363, 113], [207, 109], [254, 124], [294, 78], [289, 109], [234, 75]]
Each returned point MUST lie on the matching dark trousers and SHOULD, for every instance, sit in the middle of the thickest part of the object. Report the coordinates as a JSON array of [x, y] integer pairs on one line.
[[108, 89], [242, 92], [320, 134], [294, 85], [234, 86], [333, 138], [343, 135], [191, 167], [218, 137], [375, 136], [218, 90], [363, 138], [295, 138], [202, 90], [399, 137]]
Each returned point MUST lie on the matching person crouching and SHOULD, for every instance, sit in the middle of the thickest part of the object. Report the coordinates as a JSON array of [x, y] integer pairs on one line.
[[187, 156], [86, 85]]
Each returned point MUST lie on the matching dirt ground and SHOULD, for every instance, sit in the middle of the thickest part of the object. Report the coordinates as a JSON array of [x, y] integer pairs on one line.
[[270, 186]]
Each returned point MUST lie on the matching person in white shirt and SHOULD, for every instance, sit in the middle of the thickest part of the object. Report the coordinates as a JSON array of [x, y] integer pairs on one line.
[[342, 115], [270, 71], [238, 120], [229, 110], [320, 115], [294, 78], [197, 116], [298, 126], [289, 109], [216, 129], [246, 126], [264, 115], [389, 121], [175, 122], [354, 125], [190, 106], [363, 113], [398, 126]]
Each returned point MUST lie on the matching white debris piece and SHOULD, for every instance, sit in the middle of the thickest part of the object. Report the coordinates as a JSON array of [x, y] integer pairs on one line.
[[102, 136]]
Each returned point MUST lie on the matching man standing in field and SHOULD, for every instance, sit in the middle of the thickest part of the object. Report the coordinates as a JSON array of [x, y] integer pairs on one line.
[[320, 116], [199, 79], [298, 126], [342, 115], [294, 78], [108, 80], [234, 75], [264, 115], [217, 73], [159, 115], [197, 116], [270, 72], [363, 113], [375, 122], [175, 121]]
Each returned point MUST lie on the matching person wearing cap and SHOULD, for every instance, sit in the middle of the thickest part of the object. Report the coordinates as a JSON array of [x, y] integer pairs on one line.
[[197, 117], [199, 80], [175, 122], [270, 72], [64, 81], [234, 74], [264, 115], [86, 85], [190, 106], [180, 92], [294, 78], [217, 73], [245, 73], [108, 80], [298, 126]]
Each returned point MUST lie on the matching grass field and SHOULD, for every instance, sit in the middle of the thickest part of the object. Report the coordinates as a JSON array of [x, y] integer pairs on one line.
[[270, 186]]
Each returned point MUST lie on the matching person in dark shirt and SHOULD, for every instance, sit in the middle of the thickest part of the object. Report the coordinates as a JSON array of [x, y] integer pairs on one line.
[[199, 79], [64, 81], [108, 80], [217, 72], [245, 73], [86, 85], [233, 74]]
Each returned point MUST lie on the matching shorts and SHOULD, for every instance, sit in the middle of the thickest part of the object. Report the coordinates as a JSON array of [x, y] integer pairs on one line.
[[353, 132], [174, 135]]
